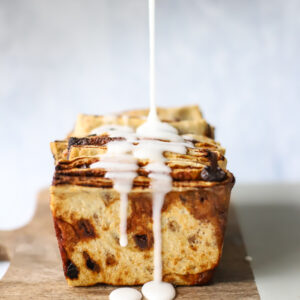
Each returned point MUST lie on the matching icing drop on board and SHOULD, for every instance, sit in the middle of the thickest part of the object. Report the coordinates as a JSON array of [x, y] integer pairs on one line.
[[158, 290], [125, 294]]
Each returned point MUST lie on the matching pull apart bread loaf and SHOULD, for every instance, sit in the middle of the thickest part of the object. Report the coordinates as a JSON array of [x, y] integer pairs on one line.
[[86, 207]]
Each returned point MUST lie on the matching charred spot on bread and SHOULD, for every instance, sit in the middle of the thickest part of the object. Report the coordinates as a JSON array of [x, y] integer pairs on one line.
[[110, 260], [213, 172], [92, 140], [71, 270], [90, 263], [141, 241], [85, 229]]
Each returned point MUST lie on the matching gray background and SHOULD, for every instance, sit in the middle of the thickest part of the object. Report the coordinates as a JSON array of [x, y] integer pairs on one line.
[[239, 60]]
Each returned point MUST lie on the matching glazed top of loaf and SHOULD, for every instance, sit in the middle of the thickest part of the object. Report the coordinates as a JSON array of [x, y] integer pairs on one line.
[[203, 164]]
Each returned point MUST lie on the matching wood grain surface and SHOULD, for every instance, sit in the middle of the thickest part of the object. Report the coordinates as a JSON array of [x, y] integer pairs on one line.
[[36, 272]]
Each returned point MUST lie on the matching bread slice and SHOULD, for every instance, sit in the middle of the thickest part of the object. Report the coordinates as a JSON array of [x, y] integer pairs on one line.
[[85, 209]]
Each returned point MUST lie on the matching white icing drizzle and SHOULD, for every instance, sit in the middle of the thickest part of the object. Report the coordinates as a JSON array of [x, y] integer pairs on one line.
[[121, 167], [120, 162], [154, 128], [125, 294]]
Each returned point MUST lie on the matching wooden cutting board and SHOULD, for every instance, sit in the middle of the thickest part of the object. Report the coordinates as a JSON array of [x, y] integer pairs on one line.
[[36, 272]]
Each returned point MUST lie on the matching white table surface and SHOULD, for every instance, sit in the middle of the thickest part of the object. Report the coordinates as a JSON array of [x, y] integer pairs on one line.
[[269, 216]]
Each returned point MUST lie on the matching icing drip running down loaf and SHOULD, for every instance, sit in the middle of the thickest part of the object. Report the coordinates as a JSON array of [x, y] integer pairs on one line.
[[103, 191]]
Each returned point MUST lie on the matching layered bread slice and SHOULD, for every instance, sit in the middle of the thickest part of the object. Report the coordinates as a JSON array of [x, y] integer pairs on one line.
[[86, 207], [186, 119]]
